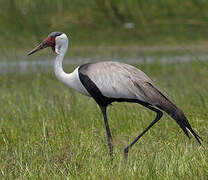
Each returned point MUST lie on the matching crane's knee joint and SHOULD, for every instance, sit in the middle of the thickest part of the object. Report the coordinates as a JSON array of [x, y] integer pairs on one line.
[[160, 113]]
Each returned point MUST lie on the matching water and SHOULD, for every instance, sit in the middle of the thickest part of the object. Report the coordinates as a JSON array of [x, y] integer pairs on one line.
[[44, 65]]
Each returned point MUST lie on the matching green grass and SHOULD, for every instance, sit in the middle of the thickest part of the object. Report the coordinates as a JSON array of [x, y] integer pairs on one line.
[[102, 22], [48, 131]]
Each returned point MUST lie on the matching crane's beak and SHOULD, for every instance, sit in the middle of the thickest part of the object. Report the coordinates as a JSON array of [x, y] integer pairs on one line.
[[41, 46]]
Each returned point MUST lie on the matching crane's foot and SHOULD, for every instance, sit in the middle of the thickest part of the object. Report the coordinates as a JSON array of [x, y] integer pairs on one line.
[[126, 151], [110, 149], [111, 155]]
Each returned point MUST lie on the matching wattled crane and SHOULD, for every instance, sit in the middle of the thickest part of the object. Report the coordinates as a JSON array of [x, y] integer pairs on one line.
[[108, 81]]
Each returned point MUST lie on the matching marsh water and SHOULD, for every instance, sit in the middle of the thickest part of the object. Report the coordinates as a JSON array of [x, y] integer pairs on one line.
[[40, 63]]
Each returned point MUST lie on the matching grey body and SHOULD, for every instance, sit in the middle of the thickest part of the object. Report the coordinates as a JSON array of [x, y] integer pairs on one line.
[[111, 81], [120, 80]]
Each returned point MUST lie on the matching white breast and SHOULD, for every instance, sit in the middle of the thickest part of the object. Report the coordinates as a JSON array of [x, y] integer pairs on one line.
[[72, 80]]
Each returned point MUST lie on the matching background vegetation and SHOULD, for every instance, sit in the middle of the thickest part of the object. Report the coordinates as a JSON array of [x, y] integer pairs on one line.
[[104, 22]]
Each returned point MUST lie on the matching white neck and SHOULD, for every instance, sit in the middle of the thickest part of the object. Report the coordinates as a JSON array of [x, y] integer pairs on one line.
[[72, 79], [58, 68]]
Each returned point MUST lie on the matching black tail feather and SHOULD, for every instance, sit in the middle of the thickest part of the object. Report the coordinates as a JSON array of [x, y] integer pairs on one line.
[[182, 121], [198, 138], [183, 128], [164, 103]]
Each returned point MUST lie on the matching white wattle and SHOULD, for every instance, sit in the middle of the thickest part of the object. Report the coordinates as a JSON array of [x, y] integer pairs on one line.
[[70, 79]]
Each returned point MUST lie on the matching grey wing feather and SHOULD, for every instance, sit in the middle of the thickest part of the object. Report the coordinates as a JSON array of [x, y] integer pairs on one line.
[[154, 96], [119, 80]]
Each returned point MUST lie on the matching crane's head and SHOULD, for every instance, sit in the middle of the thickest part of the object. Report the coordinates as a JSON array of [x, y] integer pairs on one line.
[[54, 40]]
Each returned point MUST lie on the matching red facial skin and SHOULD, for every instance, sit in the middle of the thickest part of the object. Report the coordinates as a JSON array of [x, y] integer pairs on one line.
[[50, 41]]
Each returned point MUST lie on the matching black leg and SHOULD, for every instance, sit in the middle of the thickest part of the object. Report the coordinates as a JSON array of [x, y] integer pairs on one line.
[[103, 109], [159, 115]]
